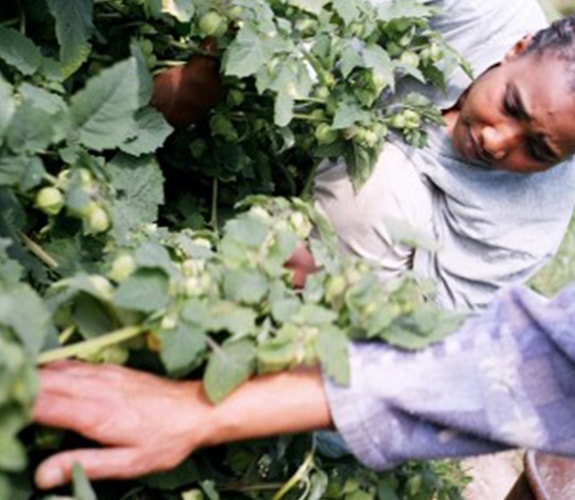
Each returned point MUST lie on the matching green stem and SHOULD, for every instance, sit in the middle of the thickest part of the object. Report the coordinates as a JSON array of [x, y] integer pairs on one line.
[[316, 65], [38, 251], [300, 474], [309, 118], [246, 488], [89, 346], [214, 215]]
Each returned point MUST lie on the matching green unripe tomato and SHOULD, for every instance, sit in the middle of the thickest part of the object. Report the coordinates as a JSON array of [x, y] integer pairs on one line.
[[235, 12], [412, 118], [335, 287], [398, 121], [324, 134], [97, 220], [235, 98], [322, 92], [409, 58], [212, 24], [435, 52], [49, 200], [122, 267], [101, 286], [300, 224]]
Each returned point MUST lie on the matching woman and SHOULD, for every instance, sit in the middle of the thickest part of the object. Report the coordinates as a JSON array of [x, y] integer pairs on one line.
[[466, 190], [505, 379]]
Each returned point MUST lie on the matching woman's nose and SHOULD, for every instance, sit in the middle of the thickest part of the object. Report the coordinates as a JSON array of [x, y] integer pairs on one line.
[[499, 140]]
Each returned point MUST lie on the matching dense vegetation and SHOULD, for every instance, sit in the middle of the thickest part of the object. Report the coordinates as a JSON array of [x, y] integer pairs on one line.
[[126, 238]]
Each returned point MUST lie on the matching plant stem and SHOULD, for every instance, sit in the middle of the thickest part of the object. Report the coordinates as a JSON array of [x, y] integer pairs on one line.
[[304, 468], [316, 65], [214, 215], [89, 346], [38, 251]]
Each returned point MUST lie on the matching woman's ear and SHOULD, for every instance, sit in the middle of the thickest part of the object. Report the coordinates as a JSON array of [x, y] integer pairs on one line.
[[518, 48]]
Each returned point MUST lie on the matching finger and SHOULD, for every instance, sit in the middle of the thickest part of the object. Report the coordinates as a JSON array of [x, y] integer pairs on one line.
[[110, 463], [64, 412]]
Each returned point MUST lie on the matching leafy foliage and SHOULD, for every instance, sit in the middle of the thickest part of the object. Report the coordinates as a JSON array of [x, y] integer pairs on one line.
[[123, 240]]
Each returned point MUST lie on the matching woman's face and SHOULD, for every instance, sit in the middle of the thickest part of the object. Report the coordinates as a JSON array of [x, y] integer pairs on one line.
[[517, 116]]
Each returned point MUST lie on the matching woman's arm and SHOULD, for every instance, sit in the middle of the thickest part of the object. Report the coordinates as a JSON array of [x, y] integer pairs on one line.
[[149, 424]]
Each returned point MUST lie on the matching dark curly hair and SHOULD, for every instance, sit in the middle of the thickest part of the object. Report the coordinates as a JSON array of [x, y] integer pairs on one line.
[[559, 37]]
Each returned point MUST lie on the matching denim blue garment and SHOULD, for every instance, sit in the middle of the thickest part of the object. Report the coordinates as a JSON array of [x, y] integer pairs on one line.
[[505, 379]]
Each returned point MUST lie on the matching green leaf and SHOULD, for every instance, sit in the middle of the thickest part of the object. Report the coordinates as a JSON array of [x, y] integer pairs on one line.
[[228, 367], [332, 351], [150, 133], [247, 53], [145, 81], [50, 103], [7, 106], [152, 254], [404, 9], [249, 230], [245, 286], [19, 51], [182, 347], [103, 112], [91, 317], [81, 486], [22, 310], [276, 355], [313, 6], [348, 114], [22, 171], [139, 192], [30, 130], [146, 290], [231, 317], [347, 10], [73, 29], [283, 109]]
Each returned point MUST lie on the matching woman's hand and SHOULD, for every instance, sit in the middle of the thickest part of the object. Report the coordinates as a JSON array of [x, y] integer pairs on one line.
[[149, 424]]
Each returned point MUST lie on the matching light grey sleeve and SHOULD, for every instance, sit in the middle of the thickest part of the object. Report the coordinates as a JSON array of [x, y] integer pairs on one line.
[[506, 379]]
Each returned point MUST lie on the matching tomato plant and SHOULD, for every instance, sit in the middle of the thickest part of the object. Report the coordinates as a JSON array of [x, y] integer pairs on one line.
[[156, 161]]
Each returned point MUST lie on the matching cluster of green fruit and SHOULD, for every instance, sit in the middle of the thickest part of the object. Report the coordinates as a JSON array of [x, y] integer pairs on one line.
[[80, 194]]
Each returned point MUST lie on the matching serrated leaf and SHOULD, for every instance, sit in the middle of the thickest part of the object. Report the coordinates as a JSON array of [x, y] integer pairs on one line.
[[139, 185], [247, 53], [332, 350], [228, 367], [227, 316], [182, 347], [103, 112], [81, 486], [152, 254], [182, 10], [347, 10], [348, 114], [150, 133], [19, 51], [146, 290], [30, 130], [245, 286], [73, 29], [22, 310], [50, 103]]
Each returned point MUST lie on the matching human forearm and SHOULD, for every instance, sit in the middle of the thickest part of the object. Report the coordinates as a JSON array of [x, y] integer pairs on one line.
[[286, 402], [148, 424]]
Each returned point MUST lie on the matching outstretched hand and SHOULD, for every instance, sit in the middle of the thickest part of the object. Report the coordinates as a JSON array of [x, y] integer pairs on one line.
[[147, 424]]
